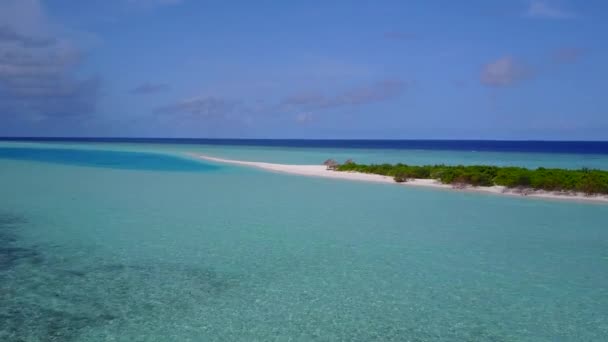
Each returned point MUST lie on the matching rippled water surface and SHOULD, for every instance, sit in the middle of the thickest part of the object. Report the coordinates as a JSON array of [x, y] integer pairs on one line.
[[162, 250]]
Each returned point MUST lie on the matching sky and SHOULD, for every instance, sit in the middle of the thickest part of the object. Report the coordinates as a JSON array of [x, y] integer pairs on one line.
[[476, 69]]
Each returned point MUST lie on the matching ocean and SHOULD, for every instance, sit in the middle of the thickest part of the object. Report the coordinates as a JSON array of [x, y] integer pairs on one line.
[[131, 240]]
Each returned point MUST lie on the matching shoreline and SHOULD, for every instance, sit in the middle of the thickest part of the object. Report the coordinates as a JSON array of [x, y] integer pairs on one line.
[[322, 172]]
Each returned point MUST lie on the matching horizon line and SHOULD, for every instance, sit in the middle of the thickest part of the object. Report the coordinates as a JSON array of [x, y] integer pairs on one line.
[[283, 139]]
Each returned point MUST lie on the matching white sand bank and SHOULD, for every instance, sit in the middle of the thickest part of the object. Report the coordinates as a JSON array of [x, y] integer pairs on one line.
[[321, 171]]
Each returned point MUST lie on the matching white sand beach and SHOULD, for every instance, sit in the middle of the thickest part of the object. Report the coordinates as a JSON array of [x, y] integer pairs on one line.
[[322, 171]]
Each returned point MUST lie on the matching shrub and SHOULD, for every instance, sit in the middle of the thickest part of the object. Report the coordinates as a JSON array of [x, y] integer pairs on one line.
[[584, 180], [400, 178]]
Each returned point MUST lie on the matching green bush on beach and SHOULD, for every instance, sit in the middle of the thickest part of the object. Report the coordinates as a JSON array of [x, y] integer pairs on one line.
[[583, 180]]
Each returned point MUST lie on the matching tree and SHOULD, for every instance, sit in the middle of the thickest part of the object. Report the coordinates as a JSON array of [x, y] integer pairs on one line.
[[331, 164]]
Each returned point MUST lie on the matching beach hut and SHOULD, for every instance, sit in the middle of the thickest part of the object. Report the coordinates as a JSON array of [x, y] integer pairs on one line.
[[331, 164], [349, 161]]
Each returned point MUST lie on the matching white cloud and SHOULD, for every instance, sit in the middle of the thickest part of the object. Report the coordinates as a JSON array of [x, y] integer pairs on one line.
[[304, 118], [206, 106], [503, 72], [376, 92], [567, 55], [150, 88], [37, 65], [544, 9], [148, 3]]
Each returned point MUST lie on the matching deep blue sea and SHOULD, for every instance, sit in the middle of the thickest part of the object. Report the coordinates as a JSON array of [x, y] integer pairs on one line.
[[131, 240], [586, 147]]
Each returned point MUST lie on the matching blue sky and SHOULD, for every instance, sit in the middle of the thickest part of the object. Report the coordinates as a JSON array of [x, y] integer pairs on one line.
[[504, 69]]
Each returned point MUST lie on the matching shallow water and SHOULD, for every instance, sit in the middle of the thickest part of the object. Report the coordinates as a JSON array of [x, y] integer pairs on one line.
[[105, 159], [91, 253], [306, 155]]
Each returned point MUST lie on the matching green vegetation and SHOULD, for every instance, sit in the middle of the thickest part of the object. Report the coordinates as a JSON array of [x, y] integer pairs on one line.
[[583, 180]]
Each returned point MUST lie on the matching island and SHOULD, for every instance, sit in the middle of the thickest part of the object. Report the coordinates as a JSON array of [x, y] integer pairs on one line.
[[584, 180], [587, 185]]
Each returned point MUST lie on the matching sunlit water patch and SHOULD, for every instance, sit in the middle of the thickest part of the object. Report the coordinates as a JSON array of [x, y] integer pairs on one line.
[[106, 159]]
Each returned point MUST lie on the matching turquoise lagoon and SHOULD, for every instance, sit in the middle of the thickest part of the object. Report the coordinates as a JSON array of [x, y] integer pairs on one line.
[[128, 242]]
